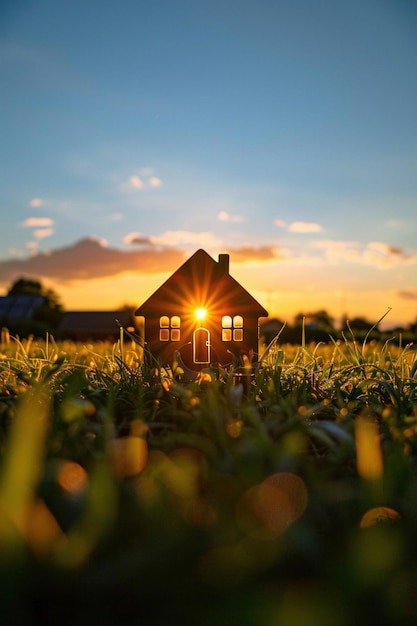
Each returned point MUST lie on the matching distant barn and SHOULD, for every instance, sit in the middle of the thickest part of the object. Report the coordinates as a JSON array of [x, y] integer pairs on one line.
[[95, 325]]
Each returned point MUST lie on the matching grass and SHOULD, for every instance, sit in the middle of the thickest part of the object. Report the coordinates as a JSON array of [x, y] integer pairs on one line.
[[130, 495]]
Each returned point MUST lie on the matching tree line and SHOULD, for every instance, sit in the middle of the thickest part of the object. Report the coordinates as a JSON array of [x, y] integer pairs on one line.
[[319, 326], [312, 326]]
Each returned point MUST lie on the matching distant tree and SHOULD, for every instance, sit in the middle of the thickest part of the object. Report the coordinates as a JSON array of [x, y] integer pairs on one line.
[[49, 314], [321, 319], [412, 327], [359, 328], [133, 320], [358, 323], [25, 285], [313, 326]]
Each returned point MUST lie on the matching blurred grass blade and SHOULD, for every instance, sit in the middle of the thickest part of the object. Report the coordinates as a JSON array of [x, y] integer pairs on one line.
[[24, 457]]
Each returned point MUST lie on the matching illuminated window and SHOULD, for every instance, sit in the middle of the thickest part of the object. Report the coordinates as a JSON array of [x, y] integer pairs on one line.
[[163, 334], [238, 328], [226, 321], [232, 328], [169, 328]]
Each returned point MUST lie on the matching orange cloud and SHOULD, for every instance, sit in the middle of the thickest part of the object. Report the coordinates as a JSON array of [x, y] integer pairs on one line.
[[88, 259]]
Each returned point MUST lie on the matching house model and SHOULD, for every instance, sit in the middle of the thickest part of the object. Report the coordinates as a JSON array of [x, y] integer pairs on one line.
[[202, 315]]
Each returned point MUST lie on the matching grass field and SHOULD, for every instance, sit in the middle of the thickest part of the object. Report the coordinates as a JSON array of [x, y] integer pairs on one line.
[[283, 496]]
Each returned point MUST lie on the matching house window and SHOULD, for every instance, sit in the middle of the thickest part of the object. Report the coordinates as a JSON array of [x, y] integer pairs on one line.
[[169, 328], [238, 328], [232, 328]]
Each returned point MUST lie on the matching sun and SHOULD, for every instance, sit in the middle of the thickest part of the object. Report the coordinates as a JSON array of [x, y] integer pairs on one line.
[[200, 314]]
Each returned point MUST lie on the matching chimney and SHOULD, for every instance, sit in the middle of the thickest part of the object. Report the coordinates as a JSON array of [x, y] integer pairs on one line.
[[223, 264]]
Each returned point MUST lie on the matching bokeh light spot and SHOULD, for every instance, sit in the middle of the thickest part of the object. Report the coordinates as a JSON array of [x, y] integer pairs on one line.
[[268, 509], [72, 477], [378, 515]]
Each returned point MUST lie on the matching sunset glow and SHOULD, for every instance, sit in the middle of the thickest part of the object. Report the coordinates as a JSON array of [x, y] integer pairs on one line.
[[265, 146]]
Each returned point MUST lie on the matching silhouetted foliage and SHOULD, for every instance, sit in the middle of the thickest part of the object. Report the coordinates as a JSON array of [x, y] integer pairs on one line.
[[46, 317], [318, 319], [319, 326], [358, 323]]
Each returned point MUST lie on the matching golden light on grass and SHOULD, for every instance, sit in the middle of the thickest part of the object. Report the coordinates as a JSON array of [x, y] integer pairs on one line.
[[368, 448], [200, 313]]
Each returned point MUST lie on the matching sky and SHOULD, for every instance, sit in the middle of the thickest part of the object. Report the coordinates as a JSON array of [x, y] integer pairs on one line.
[[282, 132]]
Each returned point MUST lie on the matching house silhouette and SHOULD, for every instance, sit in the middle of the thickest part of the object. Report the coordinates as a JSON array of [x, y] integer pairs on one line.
[[202, 315]]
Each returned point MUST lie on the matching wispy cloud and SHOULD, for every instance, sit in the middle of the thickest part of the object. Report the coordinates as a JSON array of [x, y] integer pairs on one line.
[[304, 227], [41, 233], [136, 238], [14, 252], [37, 222], [395, 223], [385, 255], [374, 253], [339, 249], [136, 182], [144, 178], [407, 294], [35, 203], [186, 238], [299, 226], [146, 171], [252, 253], [224, 216]]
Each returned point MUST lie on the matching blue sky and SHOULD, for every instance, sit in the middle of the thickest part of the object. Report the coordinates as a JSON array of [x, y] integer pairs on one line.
[[283, 132]]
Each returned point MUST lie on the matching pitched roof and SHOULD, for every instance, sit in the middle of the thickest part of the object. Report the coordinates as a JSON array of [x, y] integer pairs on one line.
[[202, 281]]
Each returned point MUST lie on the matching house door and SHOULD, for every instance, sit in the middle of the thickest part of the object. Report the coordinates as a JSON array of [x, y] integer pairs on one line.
[[201, 345]]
